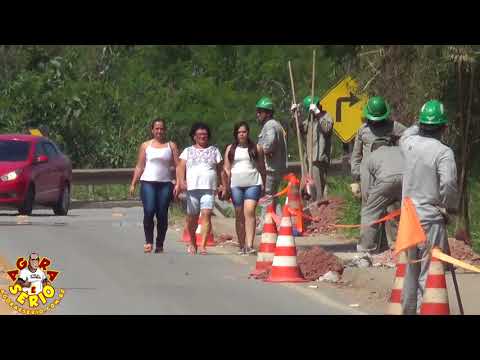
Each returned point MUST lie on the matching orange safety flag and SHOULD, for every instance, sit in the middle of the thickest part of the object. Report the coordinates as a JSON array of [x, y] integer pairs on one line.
[[290, 177], [410, 232], [282, 192]]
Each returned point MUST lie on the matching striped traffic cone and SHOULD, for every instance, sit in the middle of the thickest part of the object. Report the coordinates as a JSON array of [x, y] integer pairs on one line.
[[266, 251], [395, 305], [185, 235], [435, 296], [284, 266], [198, 236], [295, 203]]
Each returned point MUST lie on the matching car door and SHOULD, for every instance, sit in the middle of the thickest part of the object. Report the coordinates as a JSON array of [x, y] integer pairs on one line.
[[40, 175], [54, 172]]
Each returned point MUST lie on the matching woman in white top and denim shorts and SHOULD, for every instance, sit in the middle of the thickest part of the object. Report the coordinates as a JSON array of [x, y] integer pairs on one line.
[[244, 179], [156, 159], [198, 173]]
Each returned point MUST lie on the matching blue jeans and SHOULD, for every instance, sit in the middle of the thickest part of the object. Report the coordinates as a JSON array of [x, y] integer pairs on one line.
[[156, 197], [240, 194]]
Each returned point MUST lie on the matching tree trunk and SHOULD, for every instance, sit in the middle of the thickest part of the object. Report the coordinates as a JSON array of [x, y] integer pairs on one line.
[[463, 219]]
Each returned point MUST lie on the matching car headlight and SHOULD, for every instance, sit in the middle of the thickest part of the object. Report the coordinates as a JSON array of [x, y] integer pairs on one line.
[[11, 175]]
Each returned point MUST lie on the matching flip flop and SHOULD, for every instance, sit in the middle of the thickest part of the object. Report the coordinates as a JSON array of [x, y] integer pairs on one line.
[[191, 250], [147, 248], [203, 252]]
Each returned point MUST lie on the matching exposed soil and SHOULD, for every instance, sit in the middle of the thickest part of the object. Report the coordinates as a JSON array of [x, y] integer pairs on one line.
[[316, 262], [326, 214]]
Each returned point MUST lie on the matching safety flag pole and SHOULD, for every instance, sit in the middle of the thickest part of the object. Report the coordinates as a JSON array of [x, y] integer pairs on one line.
[[455, 283], [310, 123]]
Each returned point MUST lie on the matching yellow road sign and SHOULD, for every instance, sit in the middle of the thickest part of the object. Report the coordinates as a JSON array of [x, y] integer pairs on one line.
[[35, 132], [345, 106]]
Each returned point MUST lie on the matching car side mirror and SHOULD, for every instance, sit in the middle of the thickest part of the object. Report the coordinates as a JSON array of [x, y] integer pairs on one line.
[[41, 159]]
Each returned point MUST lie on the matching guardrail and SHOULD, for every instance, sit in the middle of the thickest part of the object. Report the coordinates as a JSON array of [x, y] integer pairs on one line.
[[124, 176], [92, 177]]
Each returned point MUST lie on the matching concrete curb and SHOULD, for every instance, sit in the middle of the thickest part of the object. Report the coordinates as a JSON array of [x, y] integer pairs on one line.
[[105, 204]]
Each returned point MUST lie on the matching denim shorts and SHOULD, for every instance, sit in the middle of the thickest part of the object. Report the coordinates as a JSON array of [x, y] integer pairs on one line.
[[199, 200], [240, 194]]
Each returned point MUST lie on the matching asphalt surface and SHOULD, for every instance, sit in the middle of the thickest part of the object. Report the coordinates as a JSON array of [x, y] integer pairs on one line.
[[104, 270]]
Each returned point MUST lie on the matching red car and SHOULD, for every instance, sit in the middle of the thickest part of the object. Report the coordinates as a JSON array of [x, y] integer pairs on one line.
[[34, 171]]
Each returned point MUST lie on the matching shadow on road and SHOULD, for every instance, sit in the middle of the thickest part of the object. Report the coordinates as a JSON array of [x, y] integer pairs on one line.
[[39, 215]]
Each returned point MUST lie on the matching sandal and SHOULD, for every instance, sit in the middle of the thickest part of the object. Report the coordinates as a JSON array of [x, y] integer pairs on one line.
[[251, 251], [147, 248], [203, 252], [191, 250]]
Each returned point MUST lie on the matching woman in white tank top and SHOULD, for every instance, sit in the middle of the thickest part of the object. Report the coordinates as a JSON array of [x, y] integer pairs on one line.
[[244, 180], [157, 160]]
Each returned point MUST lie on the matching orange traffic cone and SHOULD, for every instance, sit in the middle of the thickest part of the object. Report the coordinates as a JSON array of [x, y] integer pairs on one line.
[[266, 251], [185, 235], [395, 305], [294, 202], [284, 265], [435, 296], [198, 235]]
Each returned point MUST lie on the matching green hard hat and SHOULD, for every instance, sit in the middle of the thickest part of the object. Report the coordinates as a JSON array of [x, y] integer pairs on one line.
[[377, 109], [432, 113], [308, 101], [265, 103]]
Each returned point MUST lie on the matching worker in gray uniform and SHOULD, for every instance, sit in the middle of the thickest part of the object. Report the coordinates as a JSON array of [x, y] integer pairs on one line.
[[430, 180], [272, 139], [378, 125], [322, 131], [385, 167]]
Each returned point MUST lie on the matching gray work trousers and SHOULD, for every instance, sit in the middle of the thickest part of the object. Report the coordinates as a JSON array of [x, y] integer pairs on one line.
[[271, 188], [319, 176], [382, 198], [416, 274], [364, 181]]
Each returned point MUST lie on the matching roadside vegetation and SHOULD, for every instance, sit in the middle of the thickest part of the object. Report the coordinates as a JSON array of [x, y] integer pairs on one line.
[[96, 101]]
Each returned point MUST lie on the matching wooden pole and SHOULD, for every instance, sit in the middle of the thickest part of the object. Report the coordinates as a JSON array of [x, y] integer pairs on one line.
[[299, 134]]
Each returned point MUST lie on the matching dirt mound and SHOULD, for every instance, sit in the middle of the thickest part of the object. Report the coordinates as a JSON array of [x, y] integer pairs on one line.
[[316, 262], [326, 212], [461, 251]]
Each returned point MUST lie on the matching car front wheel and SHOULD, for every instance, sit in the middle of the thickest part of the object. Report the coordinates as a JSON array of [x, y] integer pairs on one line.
[[63, 203], [27, 205]]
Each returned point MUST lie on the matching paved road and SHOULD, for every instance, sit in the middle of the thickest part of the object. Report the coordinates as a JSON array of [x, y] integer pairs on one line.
[[104, 271]]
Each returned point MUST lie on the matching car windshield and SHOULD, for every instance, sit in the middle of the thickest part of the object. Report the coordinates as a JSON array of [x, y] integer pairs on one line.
[[11, 150]]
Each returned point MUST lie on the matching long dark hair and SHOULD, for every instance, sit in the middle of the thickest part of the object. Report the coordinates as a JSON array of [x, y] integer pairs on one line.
[[252, 147]]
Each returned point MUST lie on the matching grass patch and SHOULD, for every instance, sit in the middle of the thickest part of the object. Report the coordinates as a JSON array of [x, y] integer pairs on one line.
[[103, 192], [176, 213], [474, 209], [339, 186]]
